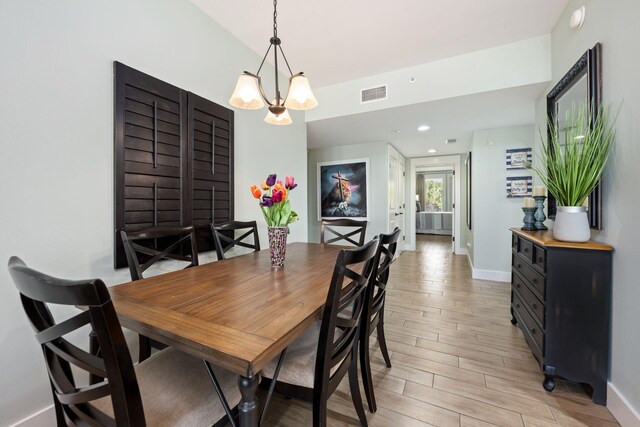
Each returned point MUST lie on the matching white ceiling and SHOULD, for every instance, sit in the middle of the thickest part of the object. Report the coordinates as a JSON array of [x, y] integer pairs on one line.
[[335, 41]]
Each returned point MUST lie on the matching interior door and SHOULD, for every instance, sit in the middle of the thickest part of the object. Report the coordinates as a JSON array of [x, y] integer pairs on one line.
[[401, 202], [394, 168], [397, 202]]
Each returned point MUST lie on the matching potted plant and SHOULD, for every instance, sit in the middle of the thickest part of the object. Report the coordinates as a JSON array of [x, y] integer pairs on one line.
[[573, 161], [274, 202]]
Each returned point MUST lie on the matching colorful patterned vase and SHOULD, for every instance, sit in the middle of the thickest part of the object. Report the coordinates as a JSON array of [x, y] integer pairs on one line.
[[277, 245]]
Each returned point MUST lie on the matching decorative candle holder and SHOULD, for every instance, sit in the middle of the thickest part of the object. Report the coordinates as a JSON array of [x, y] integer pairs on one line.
[[529, 219], [539, 215]]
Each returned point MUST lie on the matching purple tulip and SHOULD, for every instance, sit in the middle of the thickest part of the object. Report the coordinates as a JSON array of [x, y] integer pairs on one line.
[[271, 179], [267, 202]]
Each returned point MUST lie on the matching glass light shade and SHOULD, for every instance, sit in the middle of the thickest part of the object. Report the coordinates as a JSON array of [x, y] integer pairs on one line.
[[247, 95], [300, 96], [280, 120]]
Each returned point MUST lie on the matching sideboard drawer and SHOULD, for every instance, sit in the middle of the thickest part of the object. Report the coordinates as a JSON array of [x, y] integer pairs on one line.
[[529, 298], [525, 248], [539, 258], [533, 278], [528, 326]]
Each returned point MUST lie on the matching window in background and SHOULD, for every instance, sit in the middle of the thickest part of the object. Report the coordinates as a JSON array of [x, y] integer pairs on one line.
[[433, 194]]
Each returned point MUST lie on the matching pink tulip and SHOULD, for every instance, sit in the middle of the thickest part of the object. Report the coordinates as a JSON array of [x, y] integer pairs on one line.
[[289, 183]]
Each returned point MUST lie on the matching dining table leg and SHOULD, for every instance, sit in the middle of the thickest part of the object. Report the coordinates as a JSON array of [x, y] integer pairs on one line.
[[248, 407]]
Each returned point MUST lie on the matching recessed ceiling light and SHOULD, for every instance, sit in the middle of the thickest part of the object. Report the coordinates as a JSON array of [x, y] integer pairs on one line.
[[433, 150], [424, 128], [395, 131]]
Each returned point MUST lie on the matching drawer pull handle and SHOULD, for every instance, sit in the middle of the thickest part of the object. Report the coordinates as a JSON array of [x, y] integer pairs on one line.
[[535, 306], [533, 331], [519, 265], [534, 281], [540, 260], [517, 305], [518, 285], [526, 250]]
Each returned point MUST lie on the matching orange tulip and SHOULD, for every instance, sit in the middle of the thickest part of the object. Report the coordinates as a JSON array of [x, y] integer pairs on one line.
[[264, 185], [256, 191]]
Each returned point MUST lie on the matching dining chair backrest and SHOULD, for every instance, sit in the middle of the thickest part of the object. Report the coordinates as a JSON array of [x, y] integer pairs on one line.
[[113, 363], [337, 345], [224, 236], [376, 290], [373, 316], [146, 247], [355, 228]]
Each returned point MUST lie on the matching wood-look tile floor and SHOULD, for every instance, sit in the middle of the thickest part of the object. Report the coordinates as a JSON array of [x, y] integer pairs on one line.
[[457, 360]]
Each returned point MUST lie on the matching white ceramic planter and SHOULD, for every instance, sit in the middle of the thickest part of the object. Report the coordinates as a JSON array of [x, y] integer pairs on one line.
[[571, 224]]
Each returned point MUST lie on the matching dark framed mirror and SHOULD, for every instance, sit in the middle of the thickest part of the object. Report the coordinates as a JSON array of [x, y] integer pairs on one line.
[[582, 83]]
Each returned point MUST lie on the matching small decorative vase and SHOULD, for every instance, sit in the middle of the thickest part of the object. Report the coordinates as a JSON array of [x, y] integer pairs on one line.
[[277, 245], [572, 224]]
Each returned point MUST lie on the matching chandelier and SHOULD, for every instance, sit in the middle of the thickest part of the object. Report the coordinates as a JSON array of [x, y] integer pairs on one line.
[[249, 93]]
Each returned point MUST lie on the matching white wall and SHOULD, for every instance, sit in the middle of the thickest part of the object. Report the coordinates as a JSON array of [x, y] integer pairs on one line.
[[521, 63], [493, 213], [56, 144], [613, 23], [376, 152]]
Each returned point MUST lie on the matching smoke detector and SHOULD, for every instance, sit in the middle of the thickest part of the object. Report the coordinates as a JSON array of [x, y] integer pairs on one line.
[[577, 18]]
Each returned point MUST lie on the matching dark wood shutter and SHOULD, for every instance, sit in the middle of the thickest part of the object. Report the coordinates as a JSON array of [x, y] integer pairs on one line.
[[211, 151], [163, 154]]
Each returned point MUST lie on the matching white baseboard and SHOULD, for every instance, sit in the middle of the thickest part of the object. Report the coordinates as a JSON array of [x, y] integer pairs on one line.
[[462, 251], [495, 276], [621, 409], [45, 417]]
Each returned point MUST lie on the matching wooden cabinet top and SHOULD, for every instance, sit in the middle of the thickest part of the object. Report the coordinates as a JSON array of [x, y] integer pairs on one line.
[[545, 238]]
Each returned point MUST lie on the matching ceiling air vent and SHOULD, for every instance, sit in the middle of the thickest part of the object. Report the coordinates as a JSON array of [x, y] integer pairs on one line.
[[451, 141], [373, 94]]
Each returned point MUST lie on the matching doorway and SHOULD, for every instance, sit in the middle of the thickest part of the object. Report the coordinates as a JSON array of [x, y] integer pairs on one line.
[[435, 192], [441, 214]]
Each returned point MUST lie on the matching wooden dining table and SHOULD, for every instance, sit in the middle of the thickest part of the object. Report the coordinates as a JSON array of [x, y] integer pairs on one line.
[[237, 313]]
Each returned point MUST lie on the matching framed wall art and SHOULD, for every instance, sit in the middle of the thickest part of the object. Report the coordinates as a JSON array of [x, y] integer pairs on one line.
[[519, 186], [518, 158], [343, 189]]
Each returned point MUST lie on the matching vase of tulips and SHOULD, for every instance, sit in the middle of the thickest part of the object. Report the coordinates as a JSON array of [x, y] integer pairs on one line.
[[273, 196]]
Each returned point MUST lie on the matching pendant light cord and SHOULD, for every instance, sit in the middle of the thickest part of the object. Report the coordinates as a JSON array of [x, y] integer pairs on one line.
[[275, 41]]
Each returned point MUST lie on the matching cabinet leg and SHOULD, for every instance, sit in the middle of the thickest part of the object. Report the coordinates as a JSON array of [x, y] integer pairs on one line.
[[600, 393], [514, 321], [549, 382]]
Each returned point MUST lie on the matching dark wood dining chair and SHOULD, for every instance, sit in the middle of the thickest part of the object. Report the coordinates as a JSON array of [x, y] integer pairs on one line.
[[224, 236], [146, 247], [312, 366], [168, 389], [354, 228], [373, 317]]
